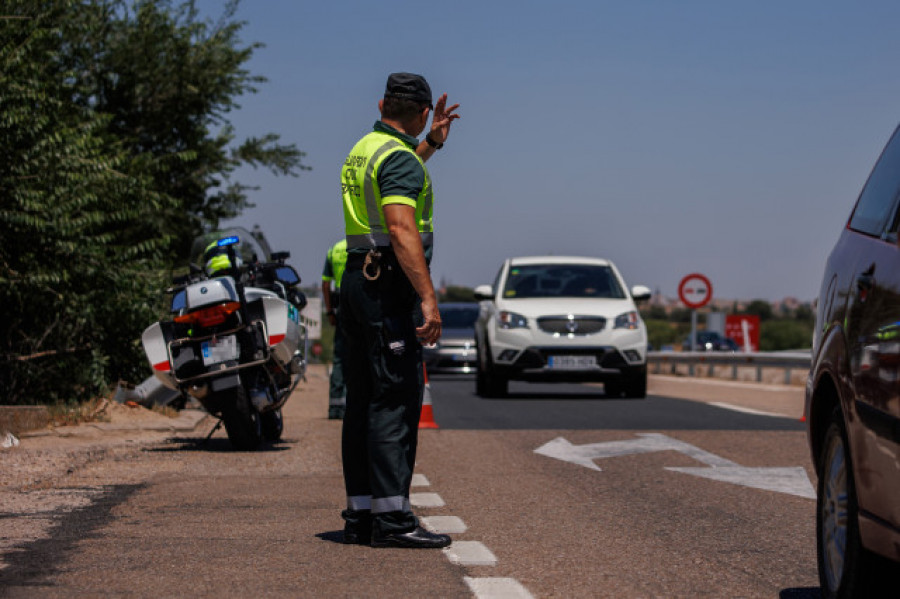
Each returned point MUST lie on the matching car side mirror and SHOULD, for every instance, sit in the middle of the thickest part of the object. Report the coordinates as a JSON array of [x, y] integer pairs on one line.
[[640, 293], [484, 292]]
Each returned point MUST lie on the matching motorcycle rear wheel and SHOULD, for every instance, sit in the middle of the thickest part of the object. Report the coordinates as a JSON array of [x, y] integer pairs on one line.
[[272, 425], [242, 422]]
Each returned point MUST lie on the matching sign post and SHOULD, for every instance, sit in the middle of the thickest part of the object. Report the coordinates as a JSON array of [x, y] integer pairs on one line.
[[695, 292]]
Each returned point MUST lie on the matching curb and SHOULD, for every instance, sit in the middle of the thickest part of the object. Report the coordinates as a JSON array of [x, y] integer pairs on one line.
[[188, 420]]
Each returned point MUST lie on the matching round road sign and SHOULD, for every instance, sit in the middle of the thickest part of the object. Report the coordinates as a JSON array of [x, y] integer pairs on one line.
[[695, 291]]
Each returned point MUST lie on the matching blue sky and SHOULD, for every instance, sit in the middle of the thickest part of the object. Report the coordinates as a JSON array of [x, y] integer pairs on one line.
[[726, 138]]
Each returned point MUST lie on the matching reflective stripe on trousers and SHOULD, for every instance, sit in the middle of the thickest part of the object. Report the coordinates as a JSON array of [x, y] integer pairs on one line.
[[380, 505]]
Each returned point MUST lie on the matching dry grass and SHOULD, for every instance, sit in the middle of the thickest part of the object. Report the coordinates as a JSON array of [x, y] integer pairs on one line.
[[68, 414], [99, 410]]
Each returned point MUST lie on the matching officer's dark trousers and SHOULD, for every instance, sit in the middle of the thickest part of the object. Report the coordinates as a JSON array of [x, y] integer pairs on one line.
[[383, 374], [337, 391]]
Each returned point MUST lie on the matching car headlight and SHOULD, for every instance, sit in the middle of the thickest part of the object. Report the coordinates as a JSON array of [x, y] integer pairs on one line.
[[511, 320], [629, 320]]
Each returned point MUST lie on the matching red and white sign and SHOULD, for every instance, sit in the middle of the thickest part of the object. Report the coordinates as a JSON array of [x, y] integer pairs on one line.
[[744, 329], [695, 291]]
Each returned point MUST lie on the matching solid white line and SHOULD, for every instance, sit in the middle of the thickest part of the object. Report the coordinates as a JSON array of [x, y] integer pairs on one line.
[[426, 500], [497, 588], [444, 524], [470, 553], [419, 480], [726, 383], [728, 406]]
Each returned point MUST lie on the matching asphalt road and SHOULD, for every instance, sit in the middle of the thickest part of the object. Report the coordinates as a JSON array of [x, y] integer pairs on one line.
[[582, 406], [554, 492]]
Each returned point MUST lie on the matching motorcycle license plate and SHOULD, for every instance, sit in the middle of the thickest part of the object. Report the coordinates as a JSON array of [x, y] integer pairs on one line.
[[571, 362], [224, 348]]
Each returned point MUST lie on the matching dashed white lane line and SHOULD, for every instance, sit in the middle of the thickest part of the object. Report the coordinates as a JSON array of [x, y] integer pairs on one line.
[[465, 553], [470, 553], [426, 500], [728, 406], [444, 524], [497, 588]]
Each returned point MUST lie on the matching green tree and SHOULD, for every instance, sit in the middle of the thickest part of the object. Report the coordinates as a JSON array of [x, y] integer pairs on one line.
[[115, 151], [662, 332], [805, 313], [784, 334], [168, 80], [80, 248], [761, 308], [653, 312]]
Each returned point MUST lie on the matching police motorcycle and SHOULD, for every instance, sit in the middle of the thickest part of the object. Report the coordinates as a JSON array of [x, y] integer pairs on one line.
[[235, 342]]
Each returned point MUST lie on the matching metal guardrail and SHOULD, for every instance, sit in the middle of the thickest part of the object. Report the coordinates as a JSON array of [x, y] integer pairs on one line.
[[658, 361]]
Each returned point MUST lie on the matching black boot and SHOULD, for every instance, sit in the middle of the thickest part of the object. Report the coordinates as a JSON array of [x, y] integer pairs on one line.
[[357, 527], [418, 538]]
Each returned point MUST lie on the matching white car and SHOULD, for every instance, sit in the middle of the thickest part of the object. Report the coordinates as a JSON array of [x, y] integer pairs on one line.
[[560, 318]]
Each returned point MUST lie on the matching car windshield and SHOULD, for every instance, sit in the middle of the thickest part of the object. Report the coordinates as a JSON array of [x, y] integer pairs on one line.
[[562, 280], [458, 317]]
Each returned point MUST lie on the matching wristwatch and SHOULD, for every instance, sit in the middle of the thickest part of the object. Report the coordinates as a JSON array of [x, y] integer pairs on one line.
[[432, 143]]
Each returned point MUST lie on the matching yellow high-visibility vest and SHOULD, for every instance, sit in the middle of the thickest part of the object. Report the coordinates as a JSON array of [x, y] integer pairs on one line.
[[363, 212], [337, 257]]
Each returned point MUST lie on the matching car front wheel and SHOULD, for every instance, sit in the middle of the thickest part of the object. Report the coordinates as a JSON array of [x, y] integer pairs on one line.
[[488, 383], [636, 386]]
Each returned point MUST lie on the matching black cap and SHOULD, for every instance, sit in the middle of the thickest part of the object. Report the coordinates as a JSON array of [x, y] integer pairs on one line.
[[408, 86]]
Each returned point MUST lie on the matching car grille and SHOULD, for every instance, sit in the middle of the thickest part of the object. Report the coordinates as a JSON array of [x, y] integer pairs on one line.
[[575, 325], [536, 357]]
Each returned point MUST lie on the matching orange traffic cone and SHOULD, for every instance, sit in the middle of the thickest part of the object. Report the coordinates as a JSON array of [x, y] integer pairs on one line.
[[426, 420]]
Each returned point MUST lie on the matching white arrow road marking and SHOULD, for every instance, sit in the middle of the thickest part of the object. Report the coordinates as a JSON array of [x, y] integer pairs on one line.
[[793, 481], [584, 455]]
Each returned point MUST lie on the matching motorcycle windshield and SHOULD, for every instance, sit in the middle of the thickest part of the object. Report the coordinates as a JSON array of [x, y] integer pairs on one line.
[[252, 248]]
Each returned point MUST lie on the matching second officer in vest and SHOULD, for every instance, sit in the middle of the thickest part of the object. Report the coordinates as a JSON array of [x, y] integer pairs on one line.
[[388, 203], [335, 261]]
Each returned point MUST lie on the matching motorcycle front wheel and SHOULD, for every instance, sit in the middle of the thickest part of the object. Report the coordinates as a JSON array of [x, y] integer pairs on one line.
[[242, 421]]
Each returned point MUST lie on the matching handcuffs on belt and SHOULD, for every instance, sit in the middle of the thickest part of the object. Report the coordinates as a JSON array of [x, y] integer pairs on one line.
[[373, 259]]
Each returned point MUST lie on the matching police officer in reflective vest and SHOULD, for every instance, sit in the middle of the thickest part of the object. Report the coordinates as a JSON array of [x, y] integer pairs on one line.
[[388, 203], [216, 259], [335, 261]]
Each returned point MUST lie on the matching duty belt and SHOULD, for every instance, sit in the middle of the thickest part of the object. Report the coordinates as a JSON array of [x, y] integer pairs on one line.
[[372, 261]]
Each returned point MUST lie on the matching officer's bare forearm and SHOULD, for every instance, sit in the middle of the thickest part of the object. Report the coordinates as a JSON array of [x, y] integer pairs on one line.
[[326, 295], [401, 224], [411, 256], [424, 150]]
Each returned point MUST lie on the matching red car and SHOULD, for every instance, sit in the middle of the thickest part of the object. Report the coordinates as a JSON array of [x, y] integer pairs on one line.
[[853, 395]]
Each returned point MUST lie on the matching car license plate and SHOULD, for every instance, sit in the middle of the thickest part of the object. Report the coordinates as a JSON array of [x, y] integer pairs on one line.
[[224, 348], [571, 362], [462, 357]]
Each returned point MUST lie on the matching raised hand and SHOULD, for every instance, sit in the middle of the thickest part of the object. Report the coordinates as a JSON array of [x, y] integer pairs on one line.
[[440, 121]]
